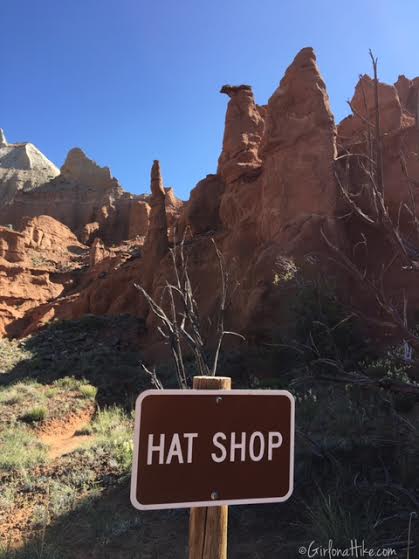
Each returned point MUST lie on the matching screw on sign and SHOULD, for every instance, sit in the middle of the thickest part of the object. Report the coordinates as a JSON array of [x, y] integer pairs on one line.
[[208, 449]]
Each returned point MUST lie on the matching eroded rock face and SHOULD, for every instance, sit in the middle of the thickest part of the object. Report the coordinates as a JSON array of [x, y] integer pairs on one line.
[[353, 127], [90, 232], [400, 145], [33, 268], [202, 214], [98, 252], [81, 194], [138, 219], [408, 94], [255, 217], [79, 169], [21, 290], [50, 237], [174, 208], [298, 149], [275, 191], [242, 135], [12, 245]]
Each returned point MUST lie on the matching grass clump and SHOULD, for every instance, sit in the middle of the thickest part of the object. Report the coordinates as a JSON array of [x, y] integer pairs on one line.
[[20, 449], [35, 415], [88, 391], [68, 383], [21, 391], [332, 516], [71, 384], [113, 430]]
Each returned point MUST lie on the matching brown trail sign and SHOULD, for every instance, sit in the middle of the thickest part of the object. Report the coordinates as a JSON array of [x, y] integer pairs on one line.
[[204, 448]]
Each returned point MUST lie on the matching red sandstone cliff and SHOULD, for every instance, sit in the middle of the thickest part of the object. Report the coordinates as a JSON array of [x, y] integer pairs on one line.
[[274, 193]]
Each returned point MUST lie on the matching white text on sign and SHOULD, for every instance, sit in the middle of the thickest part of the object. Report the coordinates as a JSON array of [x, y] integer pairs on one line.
[[232, 447]]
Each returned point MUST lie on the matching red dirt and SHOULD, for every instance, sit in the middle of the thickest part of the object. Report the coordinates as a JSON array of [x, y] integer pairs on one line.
[[61, 435]]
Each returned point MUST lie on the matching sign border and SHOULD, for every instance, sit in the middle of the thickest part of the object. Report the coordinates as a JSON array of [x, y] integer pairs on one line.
[[217, 503]]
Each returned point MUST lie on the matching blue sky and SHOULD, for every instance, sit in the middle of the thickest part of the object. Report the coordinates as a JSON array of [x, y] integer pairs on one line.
[[130, 81]]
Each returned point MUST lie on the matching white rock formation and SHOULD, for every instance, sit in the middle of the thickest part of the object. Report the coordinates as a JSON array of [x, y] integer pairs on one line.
[[22, 167]]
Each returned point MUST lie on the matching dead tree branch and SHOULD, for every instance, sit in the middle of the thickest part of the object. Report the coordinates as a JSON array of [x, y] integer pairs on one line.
[[180, 325]]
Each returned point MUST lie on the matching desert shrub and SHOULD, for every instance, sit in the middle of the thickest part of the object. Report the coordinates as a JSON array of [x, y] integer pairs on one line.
[[40, 516], [83, 479], [62, 498], [35, 415], [20, 449], [88, 391]]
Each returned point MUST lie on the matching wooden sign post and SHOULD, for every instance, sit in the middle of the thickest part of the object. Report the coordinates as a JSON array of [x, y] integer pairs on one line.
[[208, 525]]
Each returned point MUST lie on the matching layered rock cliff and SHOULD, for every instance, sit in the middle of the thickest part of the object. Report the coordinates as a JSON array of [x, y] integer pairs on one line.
[[82, 195]]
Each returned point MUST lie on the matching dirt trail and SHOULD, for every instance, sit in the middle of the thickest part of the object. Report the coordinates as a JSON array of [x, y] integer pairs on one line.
[[61, 436]]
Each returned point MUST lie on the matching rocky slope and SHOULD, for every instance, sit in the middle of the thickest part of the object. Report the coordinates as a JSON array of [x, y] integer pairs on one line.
[[269, 206]]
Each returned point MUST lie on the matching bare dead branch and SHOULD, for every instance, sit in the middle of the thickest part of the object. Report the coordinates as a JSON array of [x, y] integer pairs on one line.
[[181, 324], [154, 378]]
